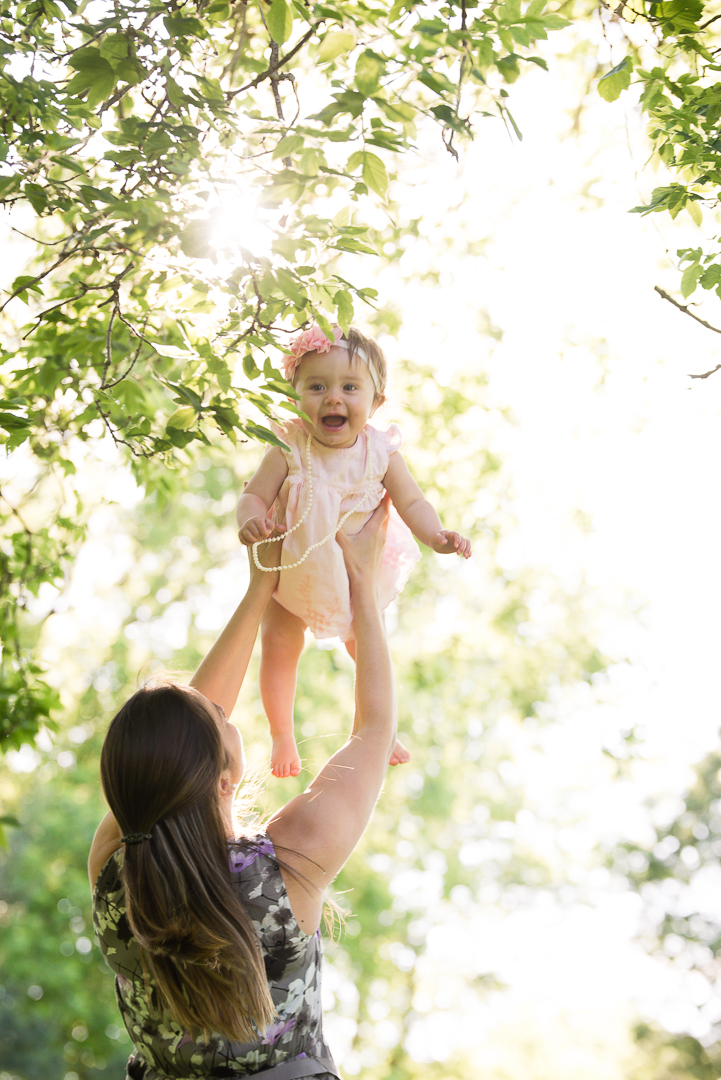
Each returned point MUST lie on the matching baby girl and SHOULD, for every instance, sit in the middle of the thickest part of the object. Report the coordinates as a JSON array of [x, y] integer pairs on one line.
[[333, 475]]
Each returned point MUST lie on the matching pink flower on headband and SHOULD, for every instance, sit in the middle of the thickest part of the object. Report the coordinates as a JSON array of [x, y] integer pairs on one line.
[[311, 340]]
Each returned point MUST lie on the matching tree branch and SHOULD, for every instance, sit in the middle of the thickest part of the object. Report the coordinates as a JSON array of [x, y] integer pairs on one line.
[[709, 21], [684, 308], [274, 67]]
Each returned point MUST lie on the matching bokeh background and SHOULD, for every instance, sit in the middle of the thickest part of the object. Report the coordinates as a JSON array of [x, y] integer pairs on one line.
[[537, 895]]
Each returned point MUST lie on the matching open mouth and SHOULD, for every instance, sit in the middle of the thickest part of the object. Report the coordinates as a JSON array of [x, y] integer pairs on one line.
[[333, 423]]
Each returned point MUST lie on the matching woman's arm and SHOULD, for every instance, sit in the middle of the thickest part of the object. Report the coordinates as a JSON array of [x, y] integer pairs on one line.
[[324, 824], [417, 512], [258, 496], [220, 675]]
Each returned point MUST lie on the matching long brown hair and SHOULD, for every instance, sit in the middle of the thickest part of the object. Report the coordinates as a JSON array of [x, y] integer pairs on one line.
[[160, 769]]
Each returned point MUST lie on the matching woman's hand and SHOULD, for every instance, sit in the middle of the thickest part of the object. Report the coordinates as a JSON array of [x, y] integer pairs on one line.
[[269, 557], [363, 553]]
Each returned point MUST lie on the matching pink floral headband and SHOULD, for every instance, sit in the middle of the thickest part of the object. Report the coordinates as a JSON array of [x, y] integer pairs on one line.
[[314, 340]]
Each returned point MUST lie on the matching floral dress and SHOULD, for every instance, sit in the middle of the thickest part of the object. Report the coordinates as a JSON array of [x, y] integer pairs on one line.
[[292, 960], [317, 591]]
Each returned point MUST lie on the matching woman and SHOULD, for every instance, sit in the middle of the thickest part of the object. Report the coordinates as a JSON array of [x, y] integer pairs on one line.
[[215, 941]]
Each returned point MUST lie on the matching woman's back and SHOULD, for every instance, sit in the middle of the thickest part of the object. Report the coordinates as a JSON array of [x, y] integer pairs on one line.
[[292, 960]]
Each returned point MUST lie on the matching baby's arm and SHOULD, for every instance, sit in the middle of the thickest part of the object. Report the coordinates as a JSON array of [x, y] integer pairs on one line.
[[417, 512], [259, 495]]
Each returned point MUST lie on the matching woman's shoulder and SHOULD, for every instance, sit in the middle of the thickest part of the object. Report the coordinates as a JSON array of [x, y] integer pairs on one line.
[[110, 879]]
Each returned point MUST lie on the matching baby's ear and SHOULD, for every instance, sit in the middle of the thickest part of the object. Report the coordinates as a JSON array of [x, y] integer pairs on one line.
[[380, 399]]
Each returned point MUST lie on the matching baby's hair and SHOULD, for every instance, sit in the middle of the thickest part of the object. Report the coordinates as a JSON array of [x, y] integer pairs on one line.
[[375, 355]]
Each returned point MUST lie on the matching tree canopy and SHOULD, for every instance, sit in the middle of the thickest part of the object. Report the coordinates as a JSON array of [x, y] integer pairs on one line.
[[140, 140]]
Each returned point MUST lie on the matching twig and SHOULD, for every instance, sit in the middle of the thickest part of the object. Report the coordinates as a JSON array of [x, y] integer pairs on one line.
[[706, 373], [141, 342], [39, 277], [683, 307], [109, 343], [275, 79], [709, 21], [271, 70]]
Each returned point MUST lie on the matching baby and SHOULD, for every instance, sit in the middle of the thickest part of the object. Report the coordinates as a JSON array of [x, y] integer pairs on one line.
[[333, 475]]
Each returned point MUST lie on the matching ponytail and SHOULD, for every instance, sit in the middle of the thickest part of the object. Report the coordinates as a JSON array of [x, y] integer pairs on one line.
[[160, 769]]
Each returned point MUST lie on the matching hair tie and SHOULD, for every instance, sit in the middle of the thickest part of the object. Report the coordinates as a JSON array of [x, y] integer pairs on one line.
[[136, 837]]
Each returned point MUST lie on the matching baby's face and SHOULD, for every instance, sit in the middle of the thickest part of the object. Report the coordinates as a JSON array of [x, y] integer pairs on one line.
[[338, 398]]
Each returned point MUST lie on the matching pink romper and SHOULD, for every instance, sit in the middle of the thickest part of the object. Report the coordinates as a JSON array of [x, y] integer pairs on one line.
[[317, 591]]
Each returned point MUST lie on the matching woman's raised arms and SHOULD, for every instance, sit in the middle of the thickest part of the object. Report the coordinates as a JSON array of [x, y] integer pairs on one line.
[[323, 825]]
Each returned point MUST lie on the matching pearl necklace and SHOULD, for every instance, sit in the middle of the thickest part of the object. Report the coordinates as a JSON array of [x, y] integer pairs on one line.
[[299, 522]]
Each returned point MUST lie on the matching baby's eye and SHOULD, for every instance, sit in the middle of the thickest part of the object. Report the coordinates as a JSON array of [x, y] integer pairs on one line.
[[316, 386], [350, 386]]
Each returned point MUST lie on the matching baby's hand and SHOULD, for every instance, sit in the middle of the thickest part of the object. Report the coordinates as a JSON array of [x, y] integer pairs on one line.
[[446, 542], [255, 529]]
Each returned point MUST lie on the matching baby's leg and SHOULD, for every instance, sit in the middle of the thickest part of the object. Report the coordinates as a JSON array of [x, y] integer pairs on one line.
[[282, 635], [400, 755]]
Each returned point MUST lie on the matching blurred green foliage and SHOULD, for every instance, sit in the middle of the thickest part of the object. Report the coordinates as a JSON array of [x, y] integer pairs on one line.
[[678, 877]]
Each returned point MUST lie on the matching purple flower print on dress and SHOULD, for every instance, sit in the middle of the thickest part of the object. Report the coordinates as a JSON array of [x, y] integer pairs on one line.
[[241, 860], [276, 1031]]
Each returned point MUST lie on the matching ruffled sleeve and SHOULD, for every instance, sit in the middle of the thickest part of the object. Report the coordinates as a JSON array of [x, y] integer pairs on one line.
[[292, 435], [394, 438], [382, 445]]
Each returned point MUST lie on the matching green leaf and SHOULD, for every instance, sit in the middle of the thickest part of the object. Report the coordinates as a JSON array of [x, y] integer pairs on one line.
[[88, 59], [334, 44], [290, 285], [25, 282], [344, 304], [114, 47], [182, 418], [69, 163], [250, 367], [324, 325], [287, 146], [8, 184], [374, 171], [173, 351], [694, 208], [280, 21], [195, 239], [368, 71], [36, 196], [615, 80], [689, 279]]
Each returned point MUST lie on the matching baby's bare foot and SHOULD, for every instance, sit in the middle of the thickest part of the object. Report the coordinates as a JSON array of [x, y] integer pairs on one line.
[[284, 758], [400, 755]]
